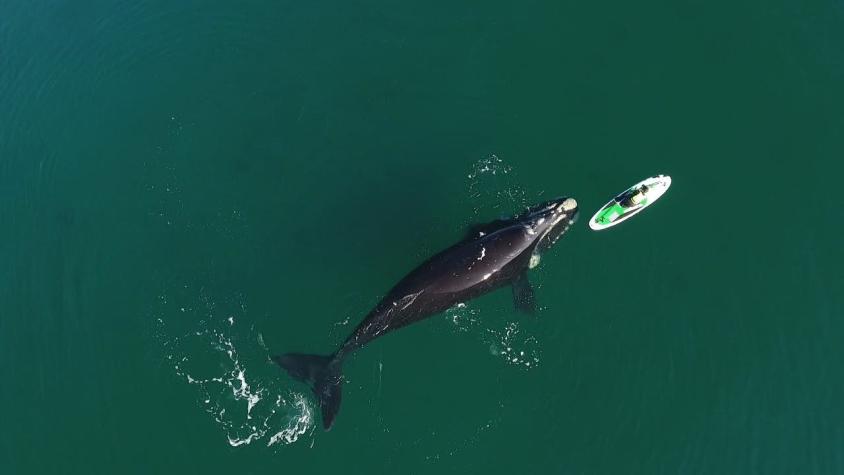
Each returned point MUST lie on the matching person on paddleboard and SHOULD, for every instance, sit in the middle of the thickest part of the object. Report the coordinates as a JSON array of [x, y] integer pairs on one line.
[[634, 197], [630, 202], [623, 203]]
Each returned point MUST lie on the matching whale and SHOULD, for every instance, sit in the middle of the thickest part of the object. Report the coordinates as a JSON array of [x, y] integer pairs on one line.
[[492, 256]]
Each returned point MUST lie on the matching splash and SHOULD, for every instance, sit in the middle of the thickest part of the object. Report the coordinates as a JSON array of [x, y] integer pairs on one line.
[[513, 347], [509, 343], [489, 165], [246, 404], [463, 318], [492, 184], [297, 425]]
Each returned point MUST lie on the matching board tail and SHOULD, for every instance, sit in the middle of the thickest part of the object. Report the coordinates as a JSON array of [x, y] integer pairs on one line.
[[324, 375]]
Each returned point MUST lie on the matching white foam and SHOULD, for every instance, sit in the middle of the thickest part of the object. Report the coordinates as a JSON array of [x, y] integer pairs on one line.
[[512, 347], [246, 408], [489, 165], [462, 317], [297, 426], [239, 442]]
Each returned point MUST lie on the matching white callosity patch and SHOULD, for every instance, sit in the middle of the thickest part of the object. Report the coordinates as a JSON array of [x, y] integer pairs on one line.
[[558, 219], [568, 204], [202, 349]]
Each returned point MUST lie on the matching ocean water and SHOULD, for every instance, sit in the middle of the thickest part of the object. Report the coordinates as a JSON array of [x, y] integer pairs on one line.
[[189, 187]]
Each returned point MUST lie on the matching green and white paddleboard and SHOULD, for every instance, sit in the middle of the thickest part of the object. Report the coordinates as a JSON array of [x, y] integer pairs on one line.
[[630, 201]]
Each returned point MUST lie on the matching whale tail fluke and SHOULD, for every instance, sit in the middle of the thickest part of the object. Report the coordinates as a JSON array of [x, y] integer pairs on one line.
[[323, 374]]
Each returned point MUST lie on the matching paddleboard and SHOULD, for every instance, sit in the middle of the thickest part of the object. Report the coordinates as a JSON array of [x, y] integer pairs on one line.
[[630, 202]]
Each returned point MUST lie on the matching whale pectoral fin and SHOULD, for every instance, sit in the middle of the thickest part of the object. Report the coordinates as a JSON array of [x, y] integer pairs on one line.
[[523, 297]]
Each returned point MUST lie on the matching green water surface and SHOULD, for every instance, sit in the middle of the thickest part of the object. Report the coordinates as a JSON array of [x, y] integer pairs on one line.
[[187, 187]]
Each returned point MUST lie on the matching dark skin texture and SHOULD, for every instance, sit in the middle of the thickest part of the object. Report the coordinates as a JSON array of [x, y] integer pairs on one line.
[[492, 256]]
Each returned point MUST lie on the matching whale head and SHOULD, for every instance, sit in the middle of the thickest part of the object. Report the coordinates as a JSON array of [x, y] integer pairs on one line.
[[549, 220]]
